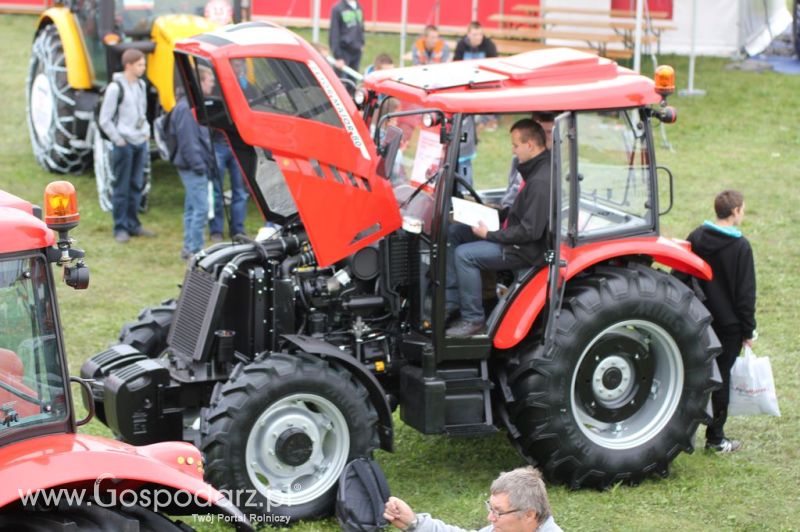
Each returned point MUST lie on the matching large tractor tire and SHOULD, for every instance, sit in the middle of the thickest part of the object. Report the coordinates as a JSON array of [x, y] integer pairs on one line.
[[625, 385], [283, 428], [58, 133], [796, 27], [148, 334], [89, 518], [104, 176]]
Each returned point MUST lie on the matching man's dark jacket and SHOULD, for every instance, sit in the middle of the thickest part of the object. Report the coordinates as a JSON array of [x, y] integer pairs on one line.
[[464, 50], [525, 234], [346, 30], [194, 143], [731, 294]]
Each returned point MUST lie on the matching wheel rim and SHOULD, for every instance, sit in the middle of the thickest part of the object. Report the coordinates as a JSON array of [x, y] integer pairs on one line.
[[41, 107], [297, 449], [627, 384]]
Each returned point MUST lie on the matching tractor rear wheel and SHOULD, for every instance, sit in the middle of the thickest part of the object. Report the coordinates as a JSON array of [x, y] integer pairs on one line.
[[625, 385], [91, 518], [104, 175], [282, 429], [58, 134], [796, 27], [148, 334]]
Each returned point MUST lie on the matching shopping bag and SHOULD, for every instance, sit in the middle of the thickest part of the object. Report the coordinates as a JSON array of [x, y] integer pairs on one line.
[[752, 387]]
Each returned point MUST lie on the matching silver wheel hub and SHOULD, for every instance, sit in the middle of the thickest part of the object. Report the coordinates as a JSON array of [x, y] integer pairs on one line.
[[614, 383], [612, 379], [297, 448], [41, 107]]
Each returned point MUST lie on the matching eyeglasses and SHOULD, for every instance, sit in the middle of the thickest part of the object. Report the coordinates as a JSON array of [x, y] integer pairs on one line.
[[496, 513]]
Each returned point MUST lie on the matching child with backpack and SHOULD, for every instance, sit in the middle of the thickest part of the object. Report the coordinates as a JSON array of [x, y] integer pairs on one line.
[[123, 119]]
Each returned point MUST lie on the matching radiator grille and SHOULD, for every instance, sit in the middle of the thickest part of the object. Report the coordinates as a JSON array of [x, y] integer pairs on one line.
[[194, 314]]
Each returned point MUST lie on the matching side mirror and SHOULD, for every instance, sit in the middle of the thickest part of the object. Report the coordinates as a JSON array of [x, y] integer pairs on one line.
[[88, 400], [660, 169], [390, 144]]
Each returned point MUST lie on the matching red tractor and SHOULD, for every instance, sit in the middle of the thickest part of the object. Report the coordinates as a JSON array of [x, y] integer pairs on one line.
[[283, 358], [53, 477]]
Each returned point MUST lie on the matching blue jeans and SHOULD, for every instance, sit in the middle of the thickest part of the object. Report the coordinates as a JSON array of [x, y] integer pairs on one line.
[[467, 255], [239, 194], [195, 209], [127, 163]]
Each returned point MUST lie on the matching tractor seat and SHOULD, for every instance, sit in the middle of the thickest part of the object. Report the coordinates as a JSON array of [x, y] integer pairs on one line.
[[10, 364]]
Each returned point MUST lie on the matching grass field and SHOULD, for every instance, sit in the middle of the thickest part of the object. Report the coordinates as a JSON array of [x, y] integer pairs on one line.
[[744, 134]]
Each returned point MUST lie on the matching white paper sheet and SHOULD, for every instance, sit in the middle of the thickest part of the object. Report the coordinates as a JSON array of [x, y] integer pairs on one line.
[[470, 213]]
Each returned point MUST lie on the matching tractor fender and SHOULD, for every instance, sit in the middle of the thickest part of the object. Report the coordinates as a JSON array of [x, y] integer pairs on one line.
[[83, 462], [79, 69], [521, 313], [376, 392], [167, 30]]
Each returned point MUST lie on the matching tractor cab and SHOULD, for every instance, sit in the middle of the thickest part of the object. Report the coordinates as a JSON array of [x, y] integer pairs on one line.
[[353, 174]]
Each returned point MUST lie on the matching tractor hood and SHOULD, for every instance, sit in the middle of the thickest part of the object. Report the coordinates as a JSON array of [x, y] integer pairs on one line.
[[297, 134]]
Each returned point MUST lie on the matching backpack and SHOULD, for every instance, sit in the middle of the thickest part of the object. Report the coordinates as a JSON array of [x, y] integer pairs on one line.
[[165, 138], [99, 104], [361, 496]]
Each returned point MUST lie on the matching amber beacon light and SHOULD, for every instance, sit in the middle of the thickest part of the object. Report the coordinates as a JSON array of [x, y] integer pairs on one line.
[[61, 206], [665, 80]]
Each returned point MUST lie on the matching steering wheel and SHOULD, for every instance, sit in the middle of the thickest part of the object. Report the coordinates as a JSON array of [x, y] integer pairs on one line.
[[463, 182]]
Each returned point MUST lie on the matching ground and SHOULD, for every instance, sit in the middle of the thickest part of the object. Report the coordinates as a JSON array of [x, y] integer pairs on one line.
[[743, 134]]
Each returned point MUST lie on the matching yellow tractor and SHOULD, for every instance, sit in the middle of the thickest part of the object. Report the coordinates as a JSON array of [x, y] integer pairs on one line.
[[77, 48]]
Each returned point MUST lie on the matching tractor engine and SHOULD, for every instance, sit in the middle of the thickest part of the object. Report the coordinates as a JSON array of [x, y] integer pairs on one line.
[[343, 305]]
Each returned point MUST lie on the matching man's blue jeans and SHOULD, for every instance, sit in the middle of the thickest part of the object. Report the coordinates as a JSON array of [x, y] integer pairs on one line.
[[195, 209], [239, 194], [467, 255], [127, 163]]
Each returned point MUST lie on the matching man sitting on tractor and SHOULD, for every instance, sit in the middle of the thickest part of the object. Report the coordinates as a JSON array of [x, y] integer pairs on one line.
[[519, 243]]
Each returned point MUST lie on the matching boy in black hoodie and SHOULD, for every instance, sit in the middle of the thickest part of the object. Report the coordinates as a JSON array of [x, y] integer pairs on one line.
[[346, 36], [730, 297]]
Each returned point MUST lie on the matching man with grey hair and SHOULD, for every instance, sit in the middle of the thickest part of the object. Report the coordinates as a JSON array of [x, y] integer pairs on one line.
[[518, 503]]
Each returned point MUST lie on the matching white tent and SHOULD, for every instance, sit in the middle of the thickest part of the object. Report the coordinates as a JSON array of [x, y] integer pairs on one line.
[[724, 27]]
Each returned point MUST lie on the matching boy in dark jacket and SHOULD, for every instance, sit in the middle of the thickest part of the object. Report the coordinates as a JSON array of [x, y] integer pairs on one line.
[[730, 297], [193, 158], [519, 243], [346, 37], [475, 45]]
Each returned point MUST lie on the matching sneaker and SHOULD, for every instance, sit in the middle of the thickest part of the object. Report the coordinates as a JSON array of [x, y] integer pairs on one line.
[[464, 328], [141, 231], [121, 236], [216, 237], [186, 254], [725, 446]]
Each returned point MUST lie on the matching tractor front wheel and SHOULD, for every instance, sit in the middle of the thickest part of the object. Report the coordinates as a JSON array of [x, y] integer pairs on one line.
[[57, 130], [625, 384], [278, 434], [89, 517], [148, 334]]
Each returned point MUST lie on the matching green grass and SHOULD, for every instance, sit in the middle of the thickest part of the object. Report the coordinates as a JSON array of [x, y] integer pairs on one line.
[[743, 134]]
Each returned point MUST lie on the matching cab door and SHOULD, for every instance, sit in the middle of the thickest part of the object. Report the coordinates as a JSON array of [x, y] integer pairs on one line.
[[563, 219]]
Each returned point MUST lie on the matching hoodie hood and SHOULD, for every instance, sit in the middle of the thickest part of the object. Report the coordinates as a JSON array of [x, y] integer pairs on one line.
[[711, 238]]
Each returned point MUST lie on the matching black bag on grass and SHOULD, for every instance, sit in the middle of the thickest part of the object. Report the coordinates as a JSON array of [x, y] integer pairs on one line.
[[362, 494]]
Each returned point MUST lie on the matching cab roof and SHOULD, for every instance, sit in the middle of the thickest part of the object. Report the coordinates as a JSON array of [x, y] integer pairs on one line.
[[21, 230], [540, 80]]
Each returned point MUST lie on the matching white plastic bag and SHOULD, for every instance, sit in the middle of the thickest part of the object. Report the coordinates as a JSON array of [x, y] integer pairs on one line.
[[752, 387]]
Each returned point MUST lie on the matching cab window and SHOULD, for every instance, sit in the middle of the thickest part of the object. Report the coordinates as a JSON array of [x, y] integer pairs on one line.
[[283, 87]]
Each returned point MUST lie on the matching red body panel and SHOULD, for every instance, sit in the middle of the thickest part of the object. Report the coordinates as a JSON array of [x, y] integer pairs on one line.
[[525, 308], [341, 215], [79, 460], [21, 230], [559, 78]]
